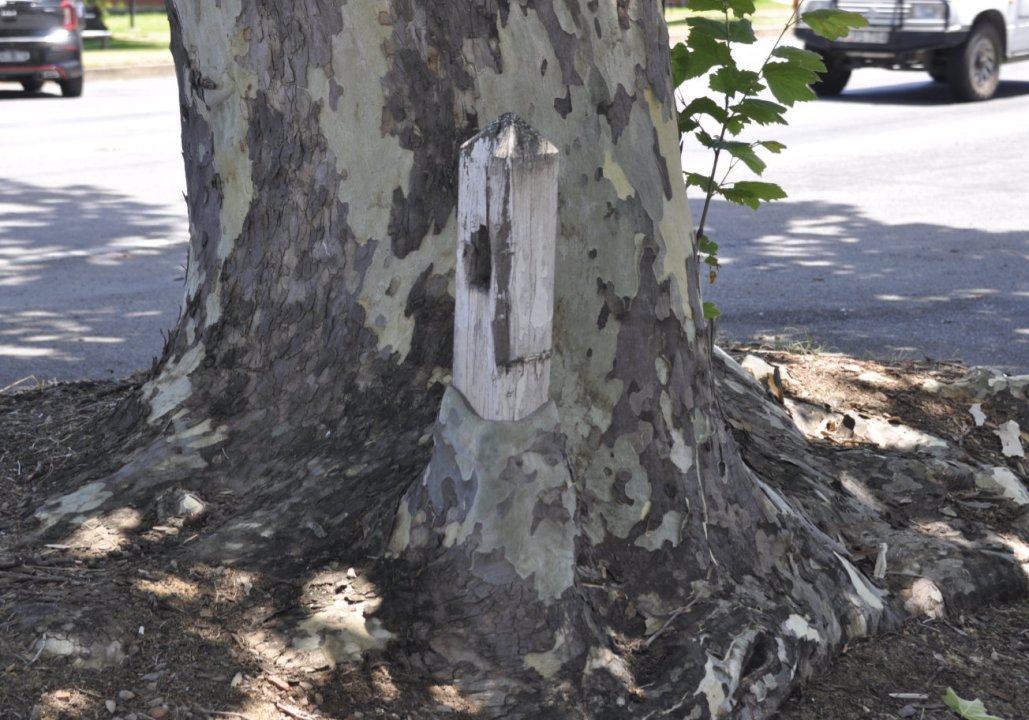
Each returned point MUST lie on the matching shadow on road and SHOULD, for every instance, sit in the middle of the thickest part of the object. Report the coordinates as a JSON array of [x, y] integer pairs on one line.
[[923, 92], [826, 274], [88, 280]]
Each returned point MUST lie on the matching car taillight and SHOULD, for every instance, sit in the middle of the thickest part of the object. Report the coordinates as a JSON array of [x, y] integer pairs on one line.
[[71, 16]]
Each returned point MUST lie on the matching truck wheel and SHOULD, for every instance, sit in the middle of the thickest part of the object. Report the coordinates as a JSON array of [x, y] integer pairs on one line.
[[834, 79], [973, 69]]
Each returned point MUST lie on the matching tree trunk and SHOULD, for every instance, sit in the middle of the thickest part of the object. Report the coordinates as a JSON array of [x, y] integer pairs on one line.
[[611, 555]]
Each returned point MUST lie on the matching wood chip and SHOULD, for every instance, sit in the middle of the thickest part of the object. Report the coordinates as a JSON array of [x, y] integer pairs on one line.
[[294, 712], [909, 696], [278, 682]]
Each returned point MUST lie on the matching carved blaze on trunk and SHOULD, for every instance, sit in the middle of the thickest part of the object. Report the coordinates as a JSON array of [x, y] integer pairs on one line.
[[607, 556], [507, 220]]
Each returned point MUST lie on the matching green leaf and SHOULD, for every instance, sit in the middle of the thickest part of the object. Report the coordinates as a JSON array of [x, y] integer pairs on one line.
[[704, 105], [751, 193], [736, 31], [705, 5], [833, 24], [711, 260], [968, 709], [711, 311], [744, 152], [763, 112], [707, 245], [801, 58], [731, 81], [680, 63], [772, 146], [742, 8], [789, 83], [701, 52], [697, 180], [764, 191], [705, 138]]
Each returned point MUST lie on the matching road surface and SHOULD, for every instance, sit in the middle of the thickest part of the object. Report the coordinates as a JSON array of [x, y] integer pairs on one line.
[[93, 229], [906, 231]]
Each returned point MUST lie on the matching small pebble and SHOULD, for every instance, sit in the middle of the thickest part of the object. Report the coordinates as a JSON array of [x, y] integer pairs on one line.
[[126, 695]]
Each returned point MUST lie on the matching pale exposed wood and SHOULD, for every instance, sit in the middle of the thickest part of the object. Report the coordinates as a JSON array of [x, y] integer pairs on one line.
[[507, 227]]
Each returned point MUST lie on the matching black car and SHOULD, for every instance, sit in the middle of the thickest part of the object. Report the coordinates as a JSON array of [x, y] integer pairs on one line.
[[41, 40]]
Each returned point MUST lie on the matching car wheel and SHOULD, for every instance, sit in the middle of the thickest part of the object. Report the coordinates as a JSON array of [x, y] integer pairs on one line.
[[31, 86], [938, 75], [71, 88], [834, 79], [973, 69]]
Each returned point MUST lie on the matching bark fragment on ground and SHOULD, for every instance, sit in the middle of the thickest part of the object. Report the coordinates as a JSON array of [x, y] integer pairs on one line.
[[308, 629]]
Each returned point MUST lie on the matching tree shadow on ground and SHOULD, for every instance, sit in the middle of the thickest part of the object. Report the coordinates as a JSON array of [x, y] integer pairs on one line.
[[83, 267], [922, 92], [827, 275]]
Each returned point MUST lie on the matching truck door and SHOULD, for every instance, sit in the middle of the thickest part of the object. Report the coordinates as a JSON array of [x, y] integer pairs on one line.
[[1020, 34]]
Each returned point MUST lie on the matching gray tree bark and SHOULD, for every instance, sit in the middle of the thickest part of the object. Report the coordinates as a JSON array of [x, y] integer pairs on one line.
[[612, 555]]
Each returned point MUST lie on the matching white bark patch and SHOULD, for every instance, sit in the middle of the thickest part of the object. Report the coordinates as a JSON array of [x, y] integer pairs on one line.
[[217, 42], [1003, 481], [173, 387], [1010, 439], [386, 318], [401, 537], [386, 285], [670, 530], [484, 449], [201, 435], [712, 687], [86, 498], [610, 516], [614, 174], [565, 19], [924, 598], [868, 594], [549, 663], [799, 627], [977, 414], [601, 658], [681, 455]]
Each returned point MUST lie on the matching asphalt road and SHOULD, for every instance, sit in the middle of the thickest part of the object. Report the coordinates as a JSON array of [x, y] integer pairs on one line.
[[906, 233], [93, 229]]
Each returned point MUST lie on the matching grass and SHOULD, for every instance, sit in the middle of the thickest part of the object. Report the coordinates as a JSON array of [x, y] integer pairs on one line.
[[145, 43], [769, 12]]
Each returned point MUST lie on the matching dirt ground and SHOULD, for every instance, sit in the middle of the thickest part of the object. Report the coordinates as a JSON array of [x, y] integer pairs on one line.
[[169, 638]]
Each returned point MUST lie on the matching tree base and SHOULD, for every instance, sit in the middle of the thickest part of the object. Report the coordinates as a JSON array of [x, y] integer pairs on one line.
[[470, 620]]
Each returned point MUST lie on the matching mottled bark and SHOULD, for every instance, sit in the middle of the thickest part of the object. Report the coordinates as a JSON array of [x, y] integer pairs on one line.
[[615, 554]]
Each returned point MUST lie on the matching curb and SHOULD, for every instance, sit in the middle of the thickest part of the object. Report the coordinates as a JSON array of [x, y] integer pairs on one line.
[[130, 72]]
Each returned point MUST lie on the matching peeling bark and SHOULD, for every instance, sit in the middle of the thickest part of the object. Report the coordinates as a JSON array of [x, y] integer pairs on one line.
[[632, 550]]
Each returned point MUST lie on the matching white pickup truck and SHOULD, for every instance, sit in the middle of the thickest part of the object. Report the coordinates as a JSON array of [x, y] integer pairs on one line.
[[960, 42]]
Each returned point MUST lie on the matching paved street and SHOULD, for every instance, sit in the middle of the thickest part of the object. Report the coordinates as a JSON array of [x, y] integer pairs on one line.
[[92, 229], [906, 231]]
